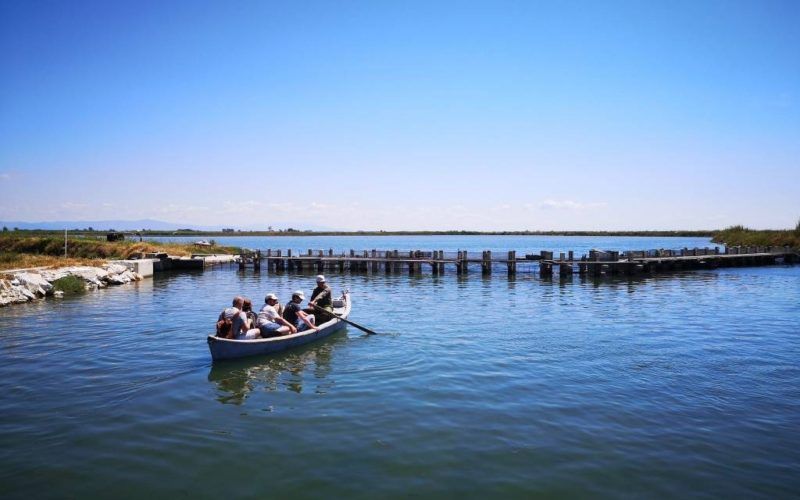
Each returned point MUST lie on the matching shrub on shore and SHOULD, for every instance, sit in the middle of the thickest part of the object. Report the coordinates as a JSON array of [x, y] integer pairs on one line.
[[69, 284], [742, 236]]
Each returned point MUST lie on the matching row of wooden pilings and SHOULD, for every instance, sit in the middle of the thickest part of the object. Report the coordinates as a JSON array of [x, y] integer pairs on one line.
[[595, 263], [392, 261]]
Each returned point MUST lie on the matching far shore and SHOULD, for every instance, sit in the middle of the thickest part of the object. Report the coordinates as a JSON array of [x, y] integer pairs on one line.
[[294, 233]]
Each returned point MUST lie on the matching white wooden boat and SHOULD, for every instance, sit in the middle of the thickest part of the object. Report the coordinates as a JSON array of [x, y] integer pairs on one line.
[[222, 348]]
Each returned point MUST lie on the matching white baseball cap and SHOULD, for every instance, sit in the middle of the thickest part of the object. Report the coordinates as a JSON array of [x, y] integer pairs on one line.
[[299, 293], [270, 296], [320, 278]]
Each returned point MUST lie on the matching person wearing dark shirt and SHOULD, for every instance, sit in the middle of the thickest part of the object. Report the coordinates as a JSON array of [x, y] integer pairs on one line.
[[294, 313]]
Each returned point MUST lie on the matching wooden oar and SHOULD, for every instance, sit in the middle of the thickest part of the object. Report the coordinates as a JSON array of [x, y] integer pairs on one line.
[[362, 328]]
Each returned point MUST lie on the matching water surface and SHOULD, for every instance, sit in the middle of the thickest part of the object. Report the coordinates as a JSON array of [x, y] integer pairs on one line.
[[676, 385]]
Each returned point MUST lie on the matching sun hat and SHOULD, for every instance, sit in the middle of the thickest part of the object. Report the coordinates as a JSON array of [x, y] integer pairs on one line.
[[320, 278], [299, 293], [270, 296]]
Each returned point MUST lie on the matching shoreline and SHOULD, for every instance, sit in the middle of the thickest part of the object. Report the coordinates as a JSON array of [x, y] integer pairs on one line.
[[27, 285]]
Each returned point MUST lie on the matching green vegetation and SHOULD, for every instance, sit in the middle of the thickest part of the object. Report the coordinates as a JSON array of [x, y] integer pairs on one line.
[[742, 236], [70, 284], [29, 249]]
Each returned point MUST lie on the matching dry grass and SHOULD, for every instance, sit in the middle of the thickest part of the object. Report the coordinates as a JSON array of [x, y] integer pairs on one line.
[[18, 252]]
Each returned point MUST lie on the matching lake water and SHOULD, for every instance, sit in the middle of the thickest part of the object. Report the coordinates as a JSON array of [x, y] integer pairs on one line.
[[673, 385]]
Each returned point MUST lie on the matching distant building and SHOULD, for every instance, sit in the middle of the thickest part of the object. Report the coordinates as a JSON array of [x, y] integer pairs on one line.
[[227, 230]]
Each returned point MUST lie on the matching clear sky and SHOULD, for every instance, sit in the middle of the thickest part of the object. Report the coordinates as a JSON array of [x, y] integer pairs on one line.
[[402, 115]]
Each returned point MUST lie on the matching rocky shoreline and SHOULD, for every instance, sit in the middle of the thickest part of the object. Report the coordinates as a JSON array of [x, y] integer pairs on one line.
[[26, 286]]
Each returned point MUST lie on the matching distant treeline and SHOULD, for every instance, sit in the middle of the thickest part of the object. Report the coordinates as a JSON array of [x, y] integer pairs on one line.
[[294, 232]]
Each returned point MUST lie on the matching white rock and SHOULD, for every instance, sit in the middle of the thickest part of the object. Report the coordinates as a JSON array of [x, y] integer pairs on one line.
[[118, 279], [116, 268], [58, 294], [34, 283]]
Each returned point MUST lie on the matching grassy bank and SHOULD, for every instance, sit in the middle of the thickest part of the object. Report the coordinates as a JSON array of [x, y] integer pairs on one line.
[[33, 251], [742, 236]]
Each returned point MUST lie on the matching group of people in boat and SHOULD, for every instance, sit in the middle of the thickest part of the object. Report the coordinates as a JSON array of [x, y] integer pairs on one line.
[[274, 320]]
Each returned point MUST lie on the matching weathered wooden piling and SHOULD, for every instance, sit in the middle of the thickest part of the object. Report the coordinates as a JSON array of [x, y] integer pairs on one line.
[[596, 263]]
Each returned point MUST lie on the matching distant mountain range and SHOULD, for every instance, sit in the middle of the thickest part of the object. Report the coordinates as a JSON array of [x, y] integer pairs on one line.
[[132, 225]]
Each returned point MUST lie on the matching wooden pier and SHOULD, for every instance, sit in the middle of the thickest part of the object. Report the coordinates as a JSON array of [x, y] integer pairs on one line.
[[437, 262]]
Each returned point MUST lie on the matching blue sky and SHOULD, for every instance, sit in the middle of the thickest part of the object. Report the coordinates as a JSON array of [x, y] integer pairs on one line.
[[402, 115]]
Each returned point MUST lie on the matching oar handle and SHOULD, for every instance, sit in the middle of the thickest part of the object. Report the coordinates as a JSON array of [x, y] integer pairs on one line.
[[362, 328]]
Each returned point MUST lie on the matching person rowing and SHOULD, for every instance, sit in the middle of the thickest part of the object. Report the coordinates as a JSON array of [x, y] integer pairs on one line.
[[321, 298]]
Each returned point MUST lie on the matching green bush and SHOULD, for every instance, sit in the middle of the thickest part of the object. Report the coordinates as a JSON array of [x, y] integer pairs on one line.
[[70, 284], [8, 257]]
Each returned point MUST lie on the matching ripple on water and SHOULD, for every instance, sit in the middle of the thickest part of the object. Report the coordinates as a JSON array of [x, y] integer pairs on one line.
[[659, 386]]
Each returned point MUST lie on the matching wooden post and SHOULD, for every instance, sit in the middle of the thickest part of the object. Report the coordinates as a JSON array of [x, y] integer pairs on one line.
[[486, 264], [257, 262], [512, 262]]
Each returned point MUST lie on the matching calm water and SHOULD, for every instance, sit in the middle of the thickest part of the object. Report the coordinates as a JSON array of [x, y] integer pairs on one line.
[[522, 244], [677, 385]]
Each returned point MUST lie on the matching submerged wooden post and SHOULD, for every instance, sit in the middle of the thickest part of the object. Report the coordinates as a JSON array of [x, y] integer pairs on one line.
[[374, 261], [512, 262], [486, 262]]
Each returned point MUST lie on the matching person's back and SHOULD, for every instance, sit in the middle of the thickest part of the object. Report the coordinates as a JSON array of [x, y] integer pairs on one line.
[[238, 319]]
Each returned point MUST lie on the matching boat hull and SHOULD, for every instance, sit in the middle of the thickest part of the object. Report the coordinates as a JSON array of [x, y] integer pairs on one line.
[[222, 349]]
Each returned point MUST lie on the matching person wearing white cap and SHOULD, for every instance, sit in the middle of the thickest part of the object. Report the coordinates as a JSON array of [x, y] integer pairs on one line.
[[322, 298], [270, 322], [295, 314]]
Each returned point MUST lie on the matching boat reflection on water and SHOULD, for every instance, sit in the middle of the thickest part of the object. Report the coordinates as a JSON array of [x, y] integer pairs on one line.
[[292, 370]]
